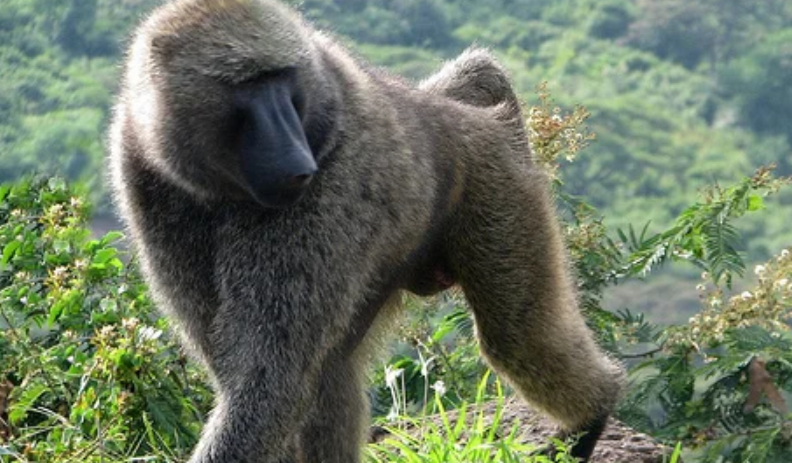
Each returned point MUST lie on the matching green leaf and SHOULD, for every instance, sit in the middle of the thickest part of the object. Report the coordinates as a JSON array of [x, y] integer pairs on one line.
[[61, 246], [442, 330], [108, 305], [8, 252], [55, 312], [104, 255], [116, 263], [56, 184], [111, 237], [20, 407], [755, 203]]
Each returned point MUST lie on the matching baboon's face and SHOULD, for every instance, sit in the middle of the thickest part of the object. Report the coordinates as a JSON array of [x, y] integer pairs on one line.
[[264, 132], [231, 81]]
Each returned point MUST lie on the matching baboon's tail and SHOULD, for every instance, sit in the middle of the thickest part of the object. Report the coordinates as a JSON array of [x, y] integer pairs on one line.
[[476, 78]]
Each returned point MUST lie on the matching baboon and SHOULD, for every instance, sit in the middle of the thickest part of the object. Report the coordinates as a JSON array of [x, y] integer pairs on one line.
[[281, 195]]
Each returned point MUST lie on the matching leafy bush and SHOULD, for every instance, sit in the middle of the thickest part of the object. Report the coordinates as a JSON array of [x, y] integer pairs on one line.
[[93, 374], [761, 81], [611, 19], [421, 23], [678, 30], [716, 370]]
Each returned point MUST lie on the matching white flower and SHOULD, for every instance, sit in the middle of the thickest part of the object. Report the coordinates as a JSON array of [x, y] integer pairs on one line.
[[425, 364], [130, 323], [148, 333], [760, 270], [439, 387], [391, 375], [705, 275], [784, 253], [393, 415], [701, 287], [745, 295]]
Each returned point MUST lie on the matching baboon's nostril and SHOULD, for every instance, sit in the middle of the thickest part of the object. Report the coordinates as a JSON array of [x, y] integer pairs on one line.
[[299, 181]]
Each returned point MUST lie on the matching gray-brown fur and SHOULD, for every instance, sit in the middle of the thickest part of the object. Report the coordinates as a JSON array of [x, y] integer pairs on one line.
[[416, 188]]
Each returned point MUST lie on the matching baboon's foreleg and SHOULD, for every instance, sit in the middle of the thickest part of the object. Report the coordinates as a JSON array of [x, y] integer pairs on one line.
[[335, 428], [269, 341], [507, 252], [263, 392]]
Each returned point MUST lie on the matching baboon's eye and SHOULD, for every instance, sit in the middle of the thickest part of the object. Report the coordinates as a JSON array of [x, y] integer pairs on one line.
[[234, 124], [270, 75], [298, 101], [284, 77]]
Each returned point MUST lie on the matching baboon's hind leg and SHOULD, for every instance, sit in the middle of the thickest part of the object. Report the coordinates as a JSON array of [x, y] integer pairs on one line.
[[508, 256]]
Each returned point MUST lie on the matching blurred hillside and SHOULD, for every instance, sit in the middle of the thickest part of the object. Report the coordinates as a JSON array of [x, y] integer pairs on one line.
[[684, 93]]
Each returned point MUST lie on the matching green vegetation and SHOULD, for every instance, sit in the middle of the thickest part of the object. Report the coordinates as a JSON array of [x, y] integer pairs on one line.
[[467, 436], [94, 370], [682, 94], [58, 71]]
